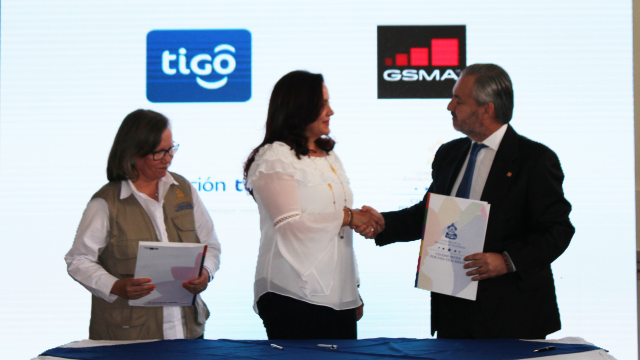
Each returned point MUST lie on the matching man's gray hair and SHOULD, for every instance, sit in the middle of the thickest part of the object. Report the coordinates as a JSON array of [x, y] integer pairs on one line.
[[492, 84]]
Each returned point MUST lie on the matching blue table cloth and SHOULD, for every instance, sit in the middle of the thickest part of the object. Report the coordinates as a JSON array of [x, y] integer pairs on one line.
[[380, 348]]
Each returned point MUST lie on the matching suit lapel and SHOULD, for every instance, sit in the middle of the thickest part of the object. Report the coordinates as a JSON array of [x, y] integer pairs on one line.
[[450, 175], [504, 168]]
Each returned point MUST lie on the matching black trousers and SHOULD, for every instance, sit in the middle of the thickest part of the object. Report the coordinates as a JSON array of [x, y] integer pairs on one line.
[[288, 318]]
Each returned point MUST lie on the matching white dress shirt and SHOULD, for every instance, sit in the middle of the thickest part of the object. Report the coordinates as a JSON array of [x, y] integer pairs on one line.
[[92, 238], [481, 172], [483, 164], [305, 253]]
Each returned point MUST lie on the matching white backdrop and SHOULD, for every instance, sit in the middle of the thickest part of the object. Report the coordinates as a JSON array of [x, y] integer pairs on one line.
[[71, 71]]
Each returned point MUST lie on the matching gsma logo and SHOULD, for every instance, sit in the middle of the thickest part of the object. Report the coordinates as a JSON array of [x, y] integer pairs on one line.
[[420, 62], [198, 65]]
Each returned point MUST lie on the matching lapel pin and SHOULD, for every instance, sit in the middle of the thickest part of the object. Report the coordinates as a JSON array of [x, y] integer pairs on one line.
[[509, 174]]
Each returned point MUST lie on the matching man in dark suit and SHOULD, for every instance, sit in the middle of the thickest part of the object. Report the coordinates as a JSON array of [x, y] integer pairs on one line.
[[528, 225]]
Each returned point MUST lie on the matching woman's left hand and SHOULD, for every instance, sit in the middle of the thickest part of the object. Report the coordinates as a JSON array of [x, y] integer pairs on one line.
[[198, 285]]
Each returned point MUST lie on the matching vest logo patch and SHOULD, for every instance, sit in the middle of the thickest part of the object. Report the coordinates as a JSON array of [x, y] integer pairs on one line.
[[181, 199], [185, 205]]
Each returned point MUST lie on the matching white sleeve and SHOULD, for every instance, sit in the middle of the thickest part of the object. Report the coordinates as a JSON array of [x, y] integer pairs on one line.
[[207, 234], [303, 239], [355, 260], [82, 259]]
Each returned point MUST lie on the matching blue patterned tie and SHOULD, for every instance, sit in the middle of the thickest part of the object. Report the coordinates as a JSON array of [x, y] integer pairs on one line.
[[465, 185]]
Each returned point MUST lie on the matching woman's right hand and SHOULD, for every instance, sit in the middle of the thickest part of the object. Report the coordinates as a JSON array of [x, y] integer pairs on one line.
[[132, 289], [368, 219]]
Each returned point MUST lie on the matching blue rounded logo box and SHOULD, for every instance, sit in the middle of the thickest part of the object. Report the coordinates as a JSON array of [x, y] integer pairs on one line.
[[198, 66]]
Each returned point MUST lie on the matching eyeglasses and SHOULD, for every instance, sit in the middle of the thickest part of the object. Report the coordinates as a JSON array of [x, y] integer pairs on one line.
[[159, 155]]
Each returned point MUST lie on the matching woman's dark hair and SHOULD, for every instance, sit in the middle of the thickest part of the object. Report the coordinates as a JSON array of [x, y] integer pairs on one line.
[[296, 102], [139, 134]]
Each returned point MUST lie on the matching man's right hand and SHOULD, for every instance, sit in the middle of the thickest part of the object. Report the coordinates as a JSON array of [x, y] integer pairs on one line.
[[132, 289]]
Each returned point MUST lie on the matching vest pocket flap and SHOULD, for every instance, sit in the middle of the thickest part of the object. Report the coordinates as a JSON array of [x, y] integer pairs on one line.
[[125, 317], [127, 249], [126, 254], [184, 222]]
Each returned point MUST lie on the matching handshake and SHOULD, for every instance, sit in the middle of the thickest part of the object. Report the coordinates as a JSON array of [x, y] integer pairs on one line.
[[367, 222]]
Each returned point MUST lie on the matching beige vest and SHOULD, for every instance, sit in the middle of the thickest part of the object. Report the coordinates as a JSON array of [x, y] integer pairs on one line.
[[129, 224]]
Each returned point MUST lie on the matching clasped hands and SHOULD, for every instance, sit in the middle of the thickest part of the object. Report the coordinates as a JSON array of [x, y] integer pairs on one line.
[[131, 289], [367, 222]]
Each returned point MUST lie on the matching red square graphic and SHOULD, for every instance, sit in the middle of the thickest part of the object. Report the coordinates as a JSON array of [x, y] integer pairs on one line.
[[419, 56], [444, 52], [402, 59], [388, 61]]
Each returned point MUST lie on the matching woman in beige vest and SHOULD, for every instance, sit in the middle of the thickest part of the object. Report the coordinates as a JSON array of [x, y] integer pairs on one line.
[[141, 202]]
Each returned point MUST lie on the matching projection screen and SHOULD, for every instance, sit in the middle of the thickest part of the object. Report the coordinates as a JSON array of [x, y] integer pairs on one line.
[[72, 70]]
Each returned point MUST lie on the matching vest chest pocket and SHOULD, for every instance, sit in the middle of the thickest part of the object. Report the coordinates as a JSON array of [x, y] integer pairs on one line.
[[186, 228], [126, 254]]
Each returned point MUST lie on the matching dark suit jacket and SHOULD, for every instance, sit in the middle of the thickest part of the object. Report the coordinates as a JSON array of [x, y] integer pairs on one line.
[[529, 219]]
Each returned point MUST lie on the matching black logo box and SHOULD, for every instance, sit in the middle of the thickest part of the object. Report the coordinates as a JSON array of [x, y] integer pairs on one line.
[[394, 40]]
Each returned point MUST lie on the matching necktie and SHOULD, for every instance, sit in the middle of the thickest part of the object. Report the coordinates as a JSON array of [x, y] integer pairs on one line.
[[465, 185]]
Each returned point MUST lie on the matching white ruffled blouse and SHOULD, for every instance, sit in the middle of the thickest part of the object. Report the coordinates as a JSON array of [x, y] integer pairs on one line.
[[305, 253]]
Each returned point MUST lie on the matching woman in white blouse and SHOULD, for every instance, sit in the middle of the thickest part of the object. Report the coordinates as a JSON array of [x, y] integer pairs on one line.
[[306, 284]]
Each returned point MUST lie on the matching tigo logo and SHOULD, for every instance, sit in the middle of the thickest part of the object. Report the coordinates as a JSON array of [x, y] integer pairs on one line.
[[199, 65], [419, 61]]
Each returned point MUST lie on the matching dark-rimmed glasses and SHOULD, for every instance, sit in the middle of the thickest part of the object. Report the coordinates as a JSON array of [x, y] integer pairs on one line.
[[159, 155]]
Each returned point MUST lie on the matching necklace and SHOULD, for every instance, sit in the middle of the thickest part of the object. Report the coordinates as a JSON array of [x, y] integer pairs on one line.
[[156, 196], [344, 191]]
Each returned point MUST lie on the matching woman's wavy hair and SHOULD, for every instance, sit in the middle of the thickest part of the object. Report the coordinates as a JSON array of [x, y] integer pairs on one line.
[[138, 136], [296, 102]]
